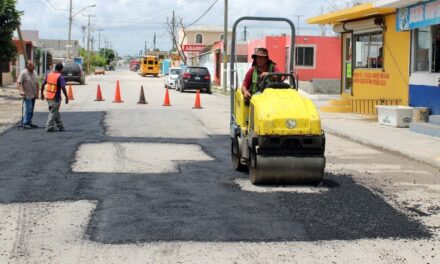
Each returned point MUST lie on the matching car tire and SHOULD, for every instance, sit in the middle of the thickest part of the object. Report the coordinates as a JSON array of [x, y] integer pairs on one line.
[[182, 88], [209, 91]]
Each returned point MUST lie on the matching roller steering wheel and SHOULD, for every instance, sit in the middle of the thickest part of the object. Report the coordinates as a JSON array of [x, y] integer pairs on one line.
[[278, 83]]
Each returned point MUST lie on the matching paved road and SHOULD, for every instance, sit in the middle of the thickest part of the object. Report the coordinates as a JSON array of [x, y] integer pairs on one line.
[[125, 177]]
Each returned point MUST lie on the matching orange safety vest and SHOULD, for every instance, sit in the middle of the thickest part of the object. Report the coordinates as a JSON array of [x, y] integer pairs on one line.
[[51, 87]]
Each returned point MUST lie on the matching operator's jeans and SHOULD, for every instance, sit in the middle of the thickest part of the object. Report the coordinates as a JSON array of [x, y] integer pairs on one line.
[[29, 105]]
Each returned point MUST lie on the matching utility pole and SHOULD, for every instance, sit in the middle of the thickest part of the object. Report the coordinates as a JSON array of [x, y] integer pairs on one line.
[[154, 42], [145, 49], [99, 38], [70, 25], [245, 33], [84, 29], [323, 29], [297, 25], [70, 30], [225, 49], [88, 43]]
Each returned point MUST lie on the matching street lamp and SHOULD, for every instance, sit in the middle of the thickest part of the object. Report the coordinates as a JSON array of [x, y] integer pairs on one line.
[[70, 25]]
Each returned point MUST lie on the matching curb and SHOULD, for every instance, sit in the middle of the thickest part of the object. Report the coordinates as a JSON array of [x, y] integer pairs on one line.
[[219, 90], [431, 163]]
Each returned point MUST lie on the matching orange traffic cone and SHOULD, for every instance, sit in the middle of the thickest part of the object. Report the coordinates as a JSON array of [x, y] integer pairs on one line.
[[197, 104], [166, 101], [99, 94], [70, 93], [142, 96], [118, 94]]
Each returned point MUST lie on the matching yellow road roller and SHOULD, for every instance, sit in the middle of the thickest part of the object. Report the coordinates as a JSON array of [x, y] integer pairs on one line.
[[276, 135]]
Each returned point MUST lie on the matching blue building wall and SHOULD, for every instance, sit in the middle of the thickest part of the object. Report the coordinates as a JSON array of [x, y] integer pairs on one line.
[[166, 64], [425, 96]]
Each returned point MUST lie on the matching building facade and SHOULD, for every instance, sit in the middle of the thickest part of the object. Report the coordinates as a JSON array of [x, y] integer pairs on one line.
[[317, 59], [421, 21], [375, 58], [201, 37]]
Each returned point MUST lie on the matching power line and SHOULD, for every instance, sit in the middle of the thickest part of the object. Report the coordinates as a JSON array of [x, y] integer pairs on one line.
[[204, 13]]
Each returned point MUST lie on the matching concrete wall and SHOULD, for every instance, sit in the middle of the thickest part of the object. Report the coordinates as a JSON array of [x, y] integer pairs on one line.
[[327, 58], [58, 47], [7, 78], [240, 69], [326, 86], [321, 86]]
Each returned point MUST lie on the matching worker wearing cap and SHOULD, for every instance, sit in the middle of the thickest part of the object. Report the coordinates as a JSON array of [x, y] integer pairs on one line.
[[261, 67]]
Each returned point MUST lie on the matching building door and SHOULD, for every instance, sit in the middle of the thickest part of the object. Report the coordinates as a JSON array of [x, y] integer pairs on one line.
[[347, 71]]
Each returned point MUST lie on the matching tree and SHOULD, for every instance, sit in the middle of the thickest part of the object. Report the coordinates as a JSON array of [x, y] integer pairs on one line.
[[108, 54], [9, 21], [179, 46]]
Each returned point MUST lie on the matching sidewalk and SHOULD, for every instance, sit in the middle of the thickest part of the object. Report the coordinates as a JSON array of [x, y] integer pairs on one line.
[[10, 106], [365, 130]]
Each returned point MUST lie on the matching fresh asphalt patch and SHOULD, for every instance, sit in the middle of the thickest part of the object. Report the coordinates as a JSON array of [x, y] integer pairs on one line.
[[199, 202]]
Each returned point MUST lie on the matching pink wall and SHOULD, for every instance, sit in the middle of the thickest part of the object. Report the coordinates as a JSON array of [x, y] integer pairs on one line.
[[327, 58], [327, 55]]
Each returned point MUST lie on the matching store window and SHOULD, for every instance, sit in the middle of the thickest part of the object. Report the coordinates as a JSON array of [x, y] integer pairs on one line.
[[422, 48], [305, 56], [435, 48], [426, 54], [369, 50]]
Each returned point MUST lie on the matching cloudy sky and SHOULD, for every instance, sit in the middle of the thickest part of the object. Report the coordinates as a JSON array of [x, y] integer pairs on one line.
[[127, 24]]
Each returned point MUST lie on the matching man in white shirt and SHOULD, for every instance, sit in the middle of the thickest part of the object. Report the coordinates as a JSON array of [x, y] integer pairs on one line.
[[27, 83]]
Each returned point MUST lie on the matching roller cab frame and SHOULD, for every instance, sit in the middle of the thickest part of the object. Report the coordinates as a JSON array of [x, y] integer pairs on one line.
[[277, 135]]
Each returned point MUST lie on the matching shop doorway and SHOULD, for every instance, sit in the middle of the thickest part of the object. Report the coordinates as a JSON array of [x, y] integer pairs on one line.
[[347, 71]]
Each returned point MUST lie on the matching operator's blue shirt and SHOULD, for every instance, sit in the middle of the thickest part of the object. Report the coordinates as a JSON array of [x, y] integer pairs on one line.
[[60, 83]]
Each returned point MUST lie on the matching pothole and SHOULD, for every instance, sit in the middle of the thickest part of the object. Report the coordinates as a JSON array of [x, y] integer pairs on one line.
[[247, 186], [136, 157]]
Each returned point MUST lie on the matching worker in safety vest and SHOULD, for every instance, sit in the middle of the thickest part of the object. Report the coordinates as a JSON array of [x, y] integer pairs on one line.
[[261, 67], [53, 84]]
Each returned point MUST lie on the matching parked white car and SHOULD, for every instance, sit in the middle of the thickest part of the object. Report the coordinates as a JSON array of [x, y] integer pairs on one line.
[[170, 81]]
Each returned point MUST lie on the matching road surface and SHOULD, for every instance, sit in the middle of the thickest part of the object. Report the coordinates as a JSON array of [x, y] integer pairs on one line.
[[132, 183]]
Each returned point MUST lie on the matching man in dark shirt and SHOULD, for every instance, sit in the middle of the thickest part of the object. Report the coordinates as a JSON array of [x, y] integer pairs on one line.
[[53, 84]]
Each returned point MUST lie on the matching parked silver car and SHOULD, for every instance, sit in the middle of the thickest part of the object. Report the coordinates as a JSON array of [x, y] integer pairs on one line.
[[173, 73]]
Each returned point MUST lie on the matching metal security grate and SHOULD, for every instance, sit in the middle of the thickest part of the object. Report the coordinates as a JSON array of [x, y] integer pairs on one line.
[[368, 106]]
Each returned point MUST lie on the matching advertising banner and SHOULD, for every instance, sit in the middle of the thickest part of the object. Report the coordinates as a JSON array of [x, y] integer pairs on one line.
[[418, 15]]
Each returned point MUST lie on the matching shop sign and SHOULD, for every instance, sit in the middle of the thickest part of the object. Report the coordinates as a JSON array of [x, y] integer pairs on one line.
[[371, 78], [418, 15], [194, 48]]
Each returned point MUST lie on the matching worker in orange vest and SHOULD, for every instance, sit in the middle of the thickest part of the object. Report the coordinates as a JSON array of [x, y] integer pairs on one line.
[[53, 84]]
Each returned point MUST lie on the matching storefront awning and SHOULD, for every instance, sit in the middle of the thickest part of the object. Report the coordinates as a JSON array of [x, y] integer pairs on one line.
[[357, 12]]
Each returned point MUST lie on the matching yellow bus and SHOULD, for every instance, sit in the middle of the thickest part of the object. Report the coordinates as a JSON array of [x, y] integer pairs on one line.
[[149, 66]]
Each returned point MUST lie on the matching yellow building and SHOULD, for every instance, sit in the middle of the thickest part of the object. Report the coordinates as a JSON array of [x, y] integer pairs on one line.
[[375, 58]]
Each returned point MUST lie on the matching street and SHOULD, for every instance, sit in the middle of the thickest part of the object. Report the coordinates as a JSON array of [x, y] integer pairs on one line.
[[133, 183]]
